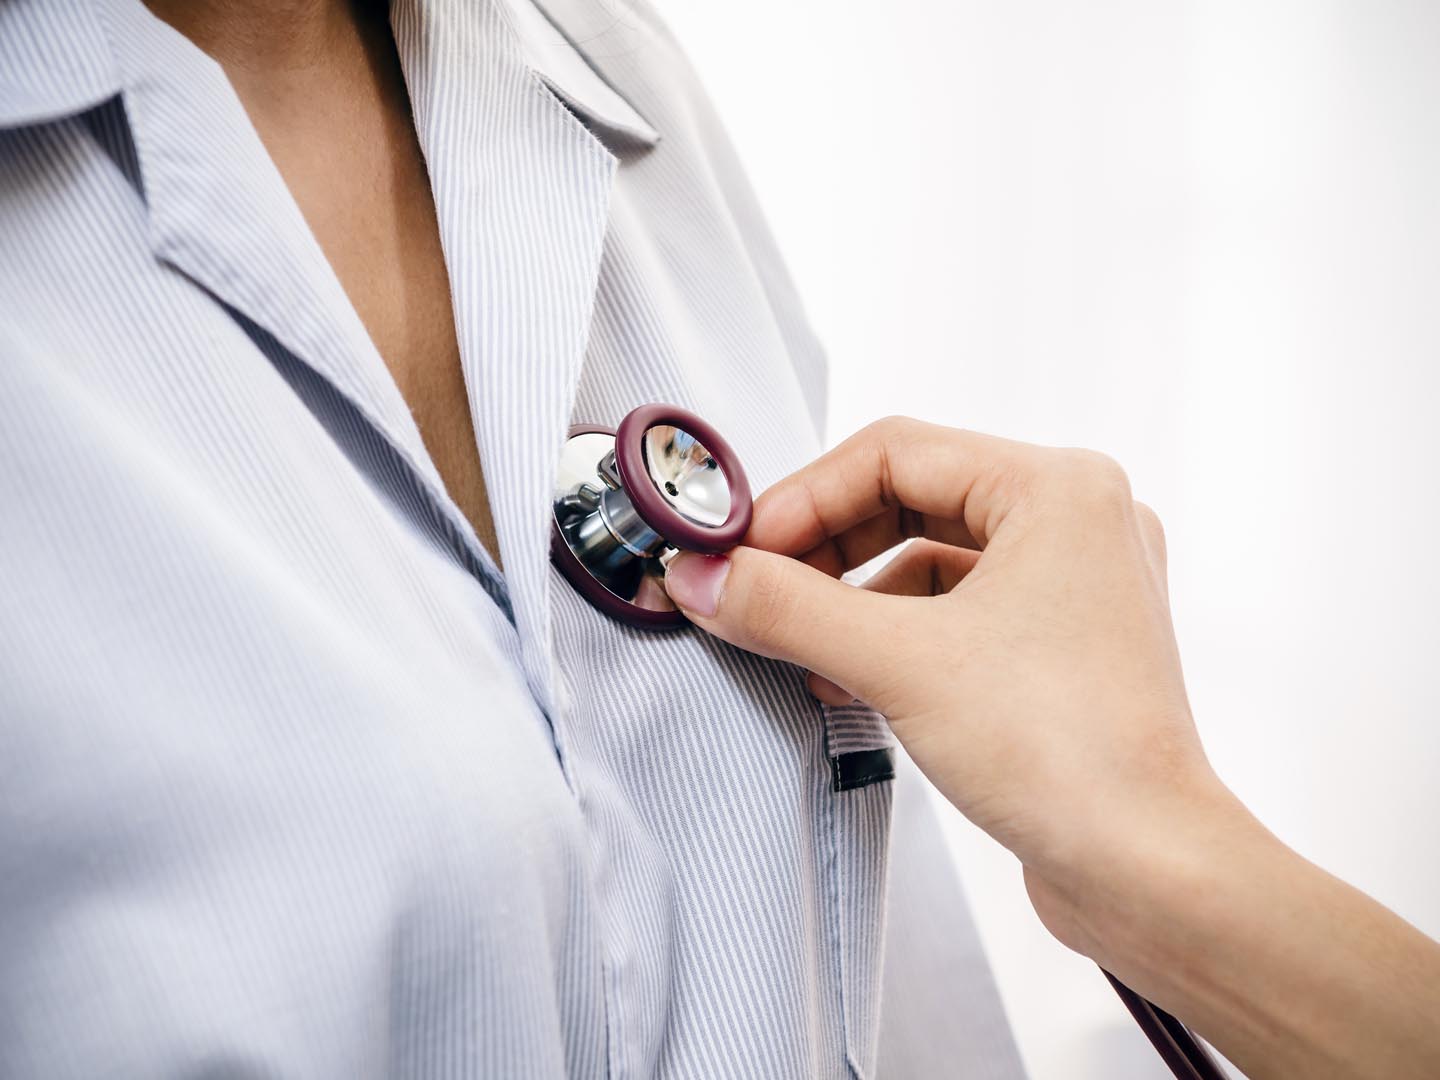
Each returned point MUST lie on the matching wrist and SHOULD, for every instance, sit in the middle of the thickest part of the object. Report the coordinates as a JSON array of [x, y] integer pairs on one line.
[[1289, 971], [1127, 895], [1197, 916], [1178, 880]]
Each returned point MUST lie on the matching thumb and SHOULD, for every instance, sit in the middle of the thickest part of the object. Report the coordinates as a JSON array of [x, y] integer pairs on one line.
[[782, 608]]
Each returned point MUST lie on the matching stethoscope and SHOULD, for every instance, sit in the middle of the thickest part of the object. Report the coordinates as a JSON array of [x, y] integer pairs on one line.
[[627, 499]]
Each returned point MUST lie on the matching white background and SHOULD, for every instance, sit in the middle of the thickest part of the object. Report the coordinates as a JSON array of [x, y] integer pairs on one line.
[[1204, 238]]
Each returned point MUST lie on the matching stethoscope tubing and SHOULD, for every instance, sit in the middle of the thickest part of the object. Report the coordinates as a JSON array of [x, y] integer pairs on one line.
[[1180, 1050]]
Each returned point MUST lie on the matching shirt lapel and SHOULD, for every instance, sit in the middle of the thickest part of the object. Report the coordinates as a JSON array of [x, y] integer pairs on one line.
[[522, 193], [219, 212]]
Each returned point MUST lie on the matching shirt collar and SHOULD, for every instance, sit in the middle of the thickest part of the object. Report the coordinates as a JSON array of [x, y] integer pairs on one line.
[[572, 76], [55, 61]]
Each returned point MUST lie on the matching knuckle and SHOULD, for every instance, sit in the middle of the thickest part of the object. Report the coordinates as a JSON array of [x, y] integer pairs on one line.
[[1151, 527], [1015, 480], [1103, 469], [1094, 477], [890, 429], [884, 441]]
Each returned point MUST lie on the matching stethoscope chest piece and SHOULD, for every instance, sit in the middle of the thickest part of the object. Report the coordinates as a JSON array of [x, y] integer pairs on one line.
[[624, 500]]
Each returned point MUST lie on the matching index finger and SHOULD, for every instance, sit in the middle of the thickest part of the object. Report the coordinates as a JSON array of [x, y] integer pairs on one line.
[[893, 480]]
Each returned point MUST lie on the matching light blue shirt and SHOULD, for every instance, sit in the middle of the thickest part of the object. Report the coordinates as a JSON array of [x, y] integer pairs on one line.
[[292, 781]]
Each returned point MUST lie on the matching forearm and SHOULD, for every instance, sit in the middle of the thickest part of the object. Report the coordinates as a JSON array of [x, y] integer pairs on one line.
[[1289, 971]]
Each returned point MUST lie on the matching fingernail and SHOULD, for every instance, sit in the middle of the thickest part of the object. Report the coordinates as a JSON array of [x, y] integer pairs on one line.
[[695, 582]]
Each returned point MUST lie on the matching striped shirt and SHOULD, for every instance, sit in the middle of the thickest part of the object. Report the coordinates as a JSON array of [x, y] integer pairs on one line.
[[293, 782]]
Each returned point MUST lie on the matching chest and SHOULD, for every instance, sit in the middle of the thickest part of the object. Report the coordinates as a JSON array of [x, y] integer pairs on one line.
[[344, 142]]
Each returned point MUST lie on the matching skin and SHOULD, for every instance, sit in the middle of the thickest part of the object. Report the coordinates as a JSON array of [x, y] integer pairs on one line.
[[1023, 653], [322, 85]]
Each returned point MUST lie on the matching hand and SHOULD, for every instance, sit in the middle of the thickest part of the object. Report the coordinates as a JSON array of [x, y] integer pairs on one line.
[[1022, 650], [1021, 647]]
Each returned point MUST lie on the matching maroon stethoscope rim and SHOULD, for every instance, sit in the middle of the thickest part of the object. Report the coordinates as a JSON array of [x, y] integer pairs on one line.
[[678, 530]]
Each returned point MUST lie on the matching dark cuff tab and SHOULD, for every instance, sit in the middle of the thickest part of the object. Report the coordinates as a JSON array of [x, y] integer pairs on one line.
[[861, 768]]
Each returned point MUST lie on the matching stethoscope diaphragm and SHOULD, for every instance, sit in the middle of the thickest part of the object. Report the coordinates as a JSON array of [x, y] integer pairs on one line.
[[624, 500]]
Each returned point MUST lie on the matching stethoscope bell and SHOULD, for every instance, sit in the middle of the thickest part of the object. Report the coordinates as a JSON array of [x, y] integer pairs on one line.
[[624, 500]]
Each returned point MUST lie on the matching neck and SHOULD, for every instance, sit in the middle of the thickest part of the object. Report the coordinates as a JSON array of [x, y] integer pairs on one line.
[[270, 35]]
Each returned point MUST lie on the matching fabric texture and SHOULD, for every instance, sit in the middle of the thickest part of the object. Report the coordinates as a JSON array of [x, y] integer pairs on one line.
[[293, 782]]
